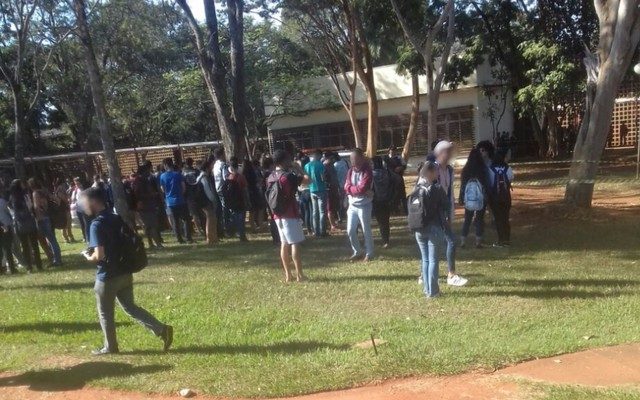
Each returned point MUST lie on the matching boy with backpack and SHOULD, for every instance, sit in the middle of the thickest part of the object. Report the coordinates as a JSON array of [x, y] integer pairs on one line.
[[117, 252], [383, 195], [282, 185], [236, 198], [427, 208], [501, 176]]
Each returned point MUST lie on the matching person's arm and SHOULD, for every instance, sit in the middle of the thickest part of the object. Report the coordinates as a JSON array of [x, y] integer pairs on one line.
[[97, 255], [510, 175], [363, 186]]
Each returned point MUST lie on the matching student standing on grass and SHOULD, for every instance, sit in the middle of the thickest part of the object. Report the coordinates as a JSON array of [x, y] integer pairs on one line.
[[146, 196], [114, 281], [474, 187], [333, 191], [236, 195], [318, 188], [42, 204], [342, 168], [304, 194], [24, 224], [6, 234], [428, 206], [443, 152], [173, 186], [220, 172], [208, 201], [383, 194], [286, 212], [358, 187]]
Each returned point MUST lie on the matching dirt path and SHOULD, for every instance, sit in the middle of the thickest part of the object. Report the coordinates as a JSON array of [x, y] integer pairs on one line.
[[611, 366]]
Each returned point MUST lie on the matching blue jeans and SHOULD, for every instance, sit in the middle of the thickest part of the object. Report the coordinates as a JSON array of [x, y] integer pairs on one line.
[[428, 239], [45, 229], [237, 219], [360, 215], [304, 202], [450, 237], [319, 207]]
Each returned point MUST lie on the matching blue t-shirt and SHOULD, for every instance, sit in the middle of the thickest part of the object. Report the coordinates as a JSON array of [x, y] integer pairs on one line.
[[104, 232], [315, 170], [171, 182]]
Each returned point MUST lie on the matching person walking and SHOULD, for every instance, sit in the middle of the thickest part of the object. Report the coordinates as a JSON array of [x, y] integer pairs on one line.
[[173, 186], [383, 194], [427, 208], [207, 199], [318, 188], [286, 213], [473, 192], [443, 152], [358, 187], [24, 224], [42, 208], [114, 281]]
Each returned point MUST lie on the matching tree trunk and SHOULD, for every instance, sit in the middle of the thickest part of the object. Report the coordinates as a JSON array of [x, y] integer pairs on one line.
[[552, 134], [19, 127], [372, 121], [236, 36], [353, 118], [102, 116], [432, 119], [413, 119]]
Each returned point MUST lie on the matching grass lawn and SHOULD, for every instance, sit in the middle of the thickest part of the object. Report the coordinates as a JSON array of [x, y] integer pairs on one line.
[[241, 332]]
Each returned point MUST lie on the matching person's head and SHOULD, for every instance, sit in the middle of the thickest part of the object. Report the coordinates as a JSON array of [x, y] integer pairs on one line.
[[475, 166], [168, 163], [234, 164], [317, 154], [357, 158], [429, 172], [207, 165], [34, 184], [391, 152], [281, 159], [267, 163], [77, 182], [16, 188], [487, 150], [148, 165], [141, 170], [443, 152], [189, 162], [218, 153], [377, 162], [94, 200]]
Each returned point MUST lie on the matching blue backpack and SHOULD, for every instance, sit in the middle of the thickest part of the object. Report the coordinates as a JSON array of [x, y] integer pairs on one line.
[[473, 195]]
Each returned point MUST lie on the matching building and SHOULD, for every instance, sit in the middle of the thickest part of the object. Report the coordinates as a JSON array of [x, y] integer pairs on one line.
[[479, 109]]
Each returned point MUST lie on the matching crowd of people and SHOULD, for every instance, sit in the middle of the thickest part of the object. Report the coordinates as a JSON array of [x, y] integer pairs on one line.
[[292, 196]]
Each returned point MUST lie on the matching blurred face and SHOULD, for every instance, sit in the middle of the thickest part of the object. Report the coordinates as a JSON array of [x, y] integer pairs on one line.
[[431, 175], [484, 153], [445, 156], [356, 159]]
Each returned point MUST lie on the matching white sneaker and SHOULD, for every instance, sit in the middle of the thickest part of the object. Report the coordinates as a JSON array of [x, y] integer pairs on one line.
[[420, 281], [456, 280]]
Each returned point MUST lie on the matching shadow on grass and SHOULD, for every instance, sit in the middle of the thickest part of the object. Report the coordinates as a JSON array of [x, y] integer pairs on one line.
[[55, 327], [546, 294], [294, 347], [76, 377]]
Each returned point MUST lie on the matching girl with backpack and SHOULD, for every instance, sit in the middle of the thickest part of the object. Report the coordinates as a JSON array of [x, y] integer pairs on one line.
[[500, 178], [428, 206], [473, 190]]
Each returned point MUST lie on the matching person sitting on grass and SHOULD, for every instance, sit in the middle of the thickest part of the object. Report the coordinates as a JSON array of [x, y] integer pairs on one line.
[[114, 281], [427, 208], [286, 212]]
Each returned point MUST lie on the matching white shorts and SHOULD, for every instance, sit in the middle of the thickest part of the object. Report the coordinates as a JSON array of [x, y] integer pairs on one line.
[[290, 230]]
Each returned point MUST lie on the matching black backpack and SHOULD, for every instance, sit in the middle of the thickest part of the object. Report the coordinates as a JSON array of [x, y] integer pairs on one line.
[[232, 195], [501, 184], [275, 196], [199, 195], [422, 207], [133, 255], [382, 186]]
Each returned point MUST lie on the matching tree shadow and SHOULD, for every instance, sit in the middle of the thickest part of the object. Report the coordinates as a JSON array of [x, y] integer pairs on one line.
[[546, 294], [77, 376], [366, 278], [55, 328], [289, 348]]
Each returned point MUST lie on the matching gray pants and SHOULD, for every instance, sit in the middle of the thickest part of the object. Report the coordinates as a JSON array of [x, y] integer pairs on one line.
[[121, 288]]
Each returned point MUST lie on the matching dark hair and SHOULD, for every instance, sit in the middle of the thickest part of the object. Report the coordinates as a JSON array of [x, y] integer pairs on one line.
[[377, 162], [427, 166], [168, 162], [206, 164], [233, 162], [218, 152], [488, 147], [189, 162], [280, 157], [318, 152], [474, 168], [97, 194], [358, 151], [267, 162]]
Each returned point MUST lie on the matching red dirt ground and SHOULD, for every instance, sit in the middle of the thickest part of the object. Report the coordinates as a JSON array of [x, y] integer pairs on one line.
[[606, 367]]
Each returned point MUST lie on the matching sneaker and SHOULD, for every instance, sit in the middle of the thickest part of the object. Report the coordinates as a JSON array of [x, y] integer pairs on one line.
[[354, 257], [167, 337], [463, 242], [104, 351], [420, 281], [367, 259], [456, 280], [385, 245]]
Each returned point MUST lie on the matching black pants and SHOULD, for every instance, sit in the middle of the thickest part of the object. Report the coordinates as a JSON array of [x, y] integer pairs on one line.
[[6, 242], [30, 249], [181, 222], [501, 217], [382, 213]]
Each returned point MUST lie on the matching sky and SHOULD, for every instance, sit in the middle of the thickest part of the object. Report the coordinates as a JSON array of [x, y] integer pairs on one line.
[[197, 7]]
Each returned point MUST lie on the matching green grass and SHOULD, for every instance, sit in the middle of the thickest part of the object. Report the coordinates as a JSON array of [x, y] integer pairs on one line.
[[241, 332]]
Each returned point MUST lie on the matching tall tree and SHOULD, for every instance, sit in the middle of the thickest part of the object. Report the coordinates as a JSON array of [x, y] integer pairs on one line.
[[26, 44], [100, 106], [425, 42], [619, 35], [230, 114]]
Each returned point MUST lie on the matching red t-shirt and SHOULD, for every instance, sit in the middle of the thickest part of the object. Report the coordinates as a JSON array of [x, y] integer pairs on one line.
[[289, 183]]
